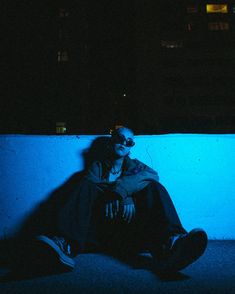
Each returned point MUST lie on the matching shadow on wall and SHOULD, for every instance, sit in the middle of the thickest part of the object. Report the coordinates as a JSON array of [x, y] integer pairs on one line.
[[43, 219]]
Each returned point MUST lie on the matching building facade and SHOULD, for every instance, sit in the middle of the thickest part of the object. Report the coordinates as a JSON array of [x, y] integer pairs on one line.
[[157, 66]]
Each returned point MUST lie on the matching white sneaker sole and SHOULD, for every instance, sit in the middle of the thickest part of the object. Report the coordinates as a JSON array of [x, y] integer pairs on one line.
[[66, 261]]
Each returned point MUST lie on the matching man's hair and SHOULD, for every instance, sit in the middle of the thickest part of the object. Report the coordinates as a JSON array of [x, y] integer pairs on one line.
[[113, 131]]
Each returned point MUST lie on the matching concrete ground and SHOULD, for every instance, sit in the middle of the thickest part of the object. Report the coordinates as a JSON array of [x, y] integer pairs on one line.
[[213, 273]]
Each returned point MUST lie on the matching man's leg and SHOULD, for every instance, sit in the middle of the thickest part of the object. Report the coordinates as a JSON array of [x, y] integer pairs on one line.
[[157, 214], [75, 224], [170, 244], [76, 219]]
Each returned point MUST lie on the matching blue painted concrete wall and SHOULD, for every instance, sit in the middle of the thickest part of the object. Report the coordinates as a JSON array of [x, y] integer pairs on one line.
[[198, 171]]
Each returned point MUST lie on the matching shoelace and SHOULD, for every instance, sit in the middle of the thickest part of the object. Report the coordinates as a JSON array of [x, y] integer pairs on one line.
[[61, 242], [173, 239]]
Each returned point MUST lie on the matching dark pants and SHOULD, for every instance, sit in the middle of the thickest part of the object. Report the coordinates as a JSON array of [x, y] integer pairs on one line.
[[82, 219]]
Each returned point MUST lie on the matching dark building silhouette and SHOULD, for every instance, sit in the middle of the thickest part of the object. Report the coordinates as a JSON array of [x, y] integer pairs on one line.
[[158, 66]]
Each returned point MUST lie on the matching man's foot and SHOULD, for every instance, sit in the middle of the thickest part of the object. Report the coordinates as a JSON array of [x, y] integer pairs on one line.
[[181, 251], [60, 248]]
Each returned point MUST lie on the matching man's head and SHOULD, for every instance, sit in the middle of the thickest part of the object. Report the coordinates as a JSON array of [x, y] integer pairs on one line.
[[122, 140]]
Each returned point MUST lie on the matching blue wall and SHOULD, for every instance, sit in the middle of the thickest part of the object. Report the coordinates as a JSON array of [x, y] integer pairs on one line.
[[198, 171]]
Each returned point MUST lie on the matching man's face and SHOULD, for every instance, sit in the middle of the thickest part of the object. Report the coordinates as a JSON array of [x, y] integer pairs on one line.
[[122, 142]]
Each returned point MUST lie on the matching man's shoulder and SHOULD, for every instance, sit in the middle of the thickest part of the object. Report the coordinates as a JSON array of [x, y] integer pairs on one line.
[[134, 165], [135, 162]]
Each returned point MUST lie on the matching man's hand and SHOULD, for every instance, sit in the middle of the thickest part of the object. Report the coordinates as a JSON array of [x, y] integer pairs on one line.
[[128, 212], [112, 209]]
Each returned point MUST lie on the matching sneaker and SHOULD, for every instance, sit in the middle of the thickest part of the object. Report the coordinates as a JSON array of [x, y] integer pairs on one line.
[[62, 249], [182, 250]]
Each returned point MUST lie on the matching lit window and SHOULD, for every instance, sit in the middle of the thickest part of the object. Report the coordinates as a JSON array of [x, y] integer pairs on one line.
[[63, 56], [192, 9], [171, 44], [218, 26], [60, 127], [216, 8], [233, 8], [63, 13]]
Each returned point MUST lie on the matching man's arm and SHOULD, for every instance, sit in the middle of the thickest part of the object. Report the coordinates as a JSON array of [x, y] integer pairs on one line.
[[135, 181]]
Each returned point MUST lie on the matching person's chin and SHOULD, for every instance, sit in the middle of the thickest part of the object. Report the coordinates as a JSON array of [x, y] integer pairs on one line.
[[120, 153]]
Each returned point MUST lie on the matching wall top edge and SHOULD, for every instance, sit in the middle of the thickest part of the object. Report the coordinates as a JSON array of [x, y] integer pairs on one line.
[[103, 135]]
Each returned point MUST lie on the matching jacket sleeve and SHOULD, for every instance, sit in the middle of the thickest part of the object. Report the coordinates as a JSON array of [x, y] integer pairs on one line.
[[140, 177]]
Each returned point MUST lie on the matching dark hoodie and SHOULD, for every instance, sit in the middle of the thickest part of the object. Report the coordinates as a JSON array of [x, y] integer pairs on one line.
[[135, 176]]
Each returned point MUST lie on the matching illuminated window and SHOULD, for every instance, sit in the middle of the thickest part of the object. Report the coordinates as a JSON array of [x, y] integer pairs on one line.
[[233, 8], [63, 13], [192, 9], [171, 44], [218, 26], [216, 8], [63, 56], [60, 127]]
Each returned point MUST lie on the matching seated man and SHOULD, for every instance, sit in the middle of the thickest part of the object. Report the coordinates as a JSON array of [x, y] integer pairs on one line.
[[121, 206]]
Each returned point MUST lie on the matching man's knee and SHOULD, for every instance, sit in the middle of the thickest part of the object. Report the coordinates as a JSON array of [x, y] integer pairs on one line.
[[153, 185], [86, 182], [155, 189]]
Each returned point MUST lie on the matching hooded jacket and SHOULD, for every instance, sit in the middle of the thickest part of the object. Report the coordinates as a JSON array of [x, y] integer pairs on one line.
[[135, 176]]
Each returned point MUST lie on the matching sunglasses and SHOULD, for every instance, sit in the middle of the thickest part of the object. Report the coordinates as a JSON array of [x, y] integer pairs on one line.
[[120, 139]]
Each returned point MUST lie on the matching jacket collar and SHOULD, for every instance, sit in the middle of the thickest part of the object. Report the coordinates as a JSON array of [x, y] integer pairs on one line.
[[128, 166]]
